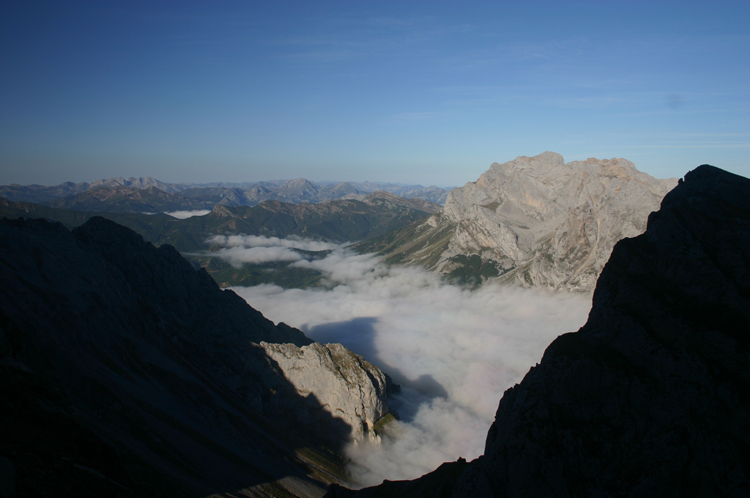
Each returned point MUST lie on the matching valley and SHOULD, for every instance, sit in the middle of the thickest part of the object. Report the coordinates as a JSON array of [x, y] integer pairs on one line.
[[374, 249], [450, 340]]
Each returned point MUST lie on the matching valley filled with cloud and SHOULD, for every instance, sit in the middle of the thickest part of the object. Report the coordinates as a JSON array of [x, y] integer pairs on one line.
[[453, 350]]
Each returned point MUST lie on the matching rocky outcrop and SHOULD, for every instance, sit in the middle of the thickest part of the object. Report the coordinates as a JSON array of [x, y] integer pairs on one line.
[[650, 397], [533, 221], [393, 201], [121, 363], [343, 383]]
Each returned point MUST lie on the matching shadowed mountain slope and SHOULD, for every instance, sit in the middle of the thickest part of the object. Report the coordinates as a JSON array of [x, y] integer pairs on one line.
[[342, 220], [126, 372], [337, 221], [652, 396]]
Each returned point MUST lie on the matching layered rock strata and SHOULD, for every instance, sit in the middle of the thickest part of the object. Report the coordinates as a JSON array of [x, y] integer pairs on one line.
[[650, 397], [533, 221], [344, 384]]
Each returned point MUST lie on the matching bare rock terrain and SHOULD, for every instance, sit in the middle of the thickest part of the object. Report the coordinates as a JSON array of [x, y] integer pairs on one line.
[[650, 396], [344, 384], [533, 221]]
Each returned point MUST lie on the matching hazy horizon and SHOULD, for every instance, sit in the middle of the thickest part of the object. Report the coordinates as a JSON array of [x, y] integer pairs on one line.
[[404, 92]]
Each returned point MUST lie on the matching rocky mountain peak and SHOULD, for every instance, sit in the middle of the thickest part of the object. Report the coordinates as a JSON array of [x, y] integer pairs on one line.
[[536, 165], [650, 396], [534, 221]]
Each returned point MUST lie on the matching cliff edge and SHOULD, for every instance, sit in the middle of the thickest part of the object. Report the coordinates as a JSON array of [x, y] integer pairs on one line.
[[652, 396]]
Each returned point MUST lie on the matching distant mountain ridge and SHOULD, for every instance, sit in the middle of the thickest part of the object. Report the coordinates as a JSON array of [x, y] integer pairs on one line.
[[298, 190], [128, 199], [531, 221], [342, 220]]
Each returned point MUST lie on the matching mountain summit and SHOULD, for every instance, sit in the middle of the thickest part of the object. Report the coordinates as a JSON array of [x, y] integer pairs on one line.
[[650, 396], [532, 221]]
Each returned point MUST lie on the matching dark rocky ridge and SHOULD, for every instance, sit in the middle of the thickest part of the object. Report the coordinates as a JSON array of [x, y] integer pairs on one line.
[[652, 396], [341, 220], [126, 372]]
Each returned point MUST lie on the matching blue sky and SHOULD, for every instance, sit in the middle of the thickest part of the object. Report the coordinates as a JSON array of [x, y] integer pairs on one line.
[[408, 91]]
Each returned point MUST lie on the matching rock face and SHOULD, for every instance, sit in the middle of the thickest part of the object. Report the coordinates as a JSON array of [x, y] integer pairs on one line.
[[651, 396], [126, 372], [393, 201], [343, 383], [532, 221]]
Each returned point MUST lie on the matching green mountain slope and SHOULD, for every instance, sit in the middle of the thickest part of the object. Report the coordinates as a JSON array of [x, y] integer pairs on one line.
[[128, 199], [332, 221]]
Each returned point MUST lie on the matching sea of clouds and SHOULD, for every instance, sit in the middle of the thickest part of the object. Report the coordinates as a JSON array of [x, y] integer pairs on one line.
[[453, 350]]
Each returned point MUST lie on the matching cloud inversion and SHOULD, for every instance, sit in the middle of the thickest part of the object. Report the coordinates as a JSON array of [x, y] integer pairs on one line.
[[455, 351], [238, 249]]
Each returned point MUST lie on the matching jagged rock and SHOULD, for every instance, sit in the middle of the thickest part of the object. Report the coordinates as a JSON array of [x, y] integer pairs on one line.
[[532, 221], [343, 383], [393, 201], [651, 396], [122, 365]]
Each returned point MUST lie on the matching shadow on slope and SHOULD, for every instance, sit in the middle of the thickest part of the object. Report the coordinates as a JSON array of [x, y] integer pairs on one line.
[[650, 397], [127, 372], [358, 335]]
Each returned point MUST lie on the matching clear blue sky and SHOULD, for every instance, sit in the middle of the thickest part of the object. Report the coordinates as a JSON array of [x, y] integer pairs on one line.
[[423, 92]]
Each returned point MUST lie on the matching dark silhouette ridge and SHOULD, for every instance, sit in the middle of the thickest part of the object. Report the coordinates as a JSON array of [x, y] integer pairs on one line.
[[126, 372], [652, 396]]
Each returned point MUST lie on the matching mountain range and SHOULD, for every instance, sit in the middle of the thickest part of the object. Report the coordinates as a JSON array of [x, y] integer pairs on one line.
[[533, 221], [650, 396], [125, 370], [205, 196], [341, 220]]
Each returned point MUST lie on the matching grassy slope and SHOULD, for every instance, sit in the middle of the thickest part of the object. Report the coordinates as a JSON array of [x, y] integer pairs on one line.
[[336, 221]]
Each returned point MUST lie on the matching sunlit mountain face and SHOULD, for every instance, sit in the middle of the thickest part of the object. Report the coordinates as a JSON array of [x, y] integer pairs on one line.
[[283, 249]]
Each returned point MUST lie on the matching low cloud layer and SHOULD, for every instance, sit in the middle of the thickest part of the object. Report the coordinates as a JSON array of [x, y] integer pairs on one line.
[[454, 351], [181, 215], [238, 249]]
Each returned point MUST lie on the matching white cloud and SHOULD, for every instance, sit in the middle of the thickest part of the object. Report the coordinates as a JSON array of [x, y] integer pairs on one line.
[[248, 241], [455, 351], [181, 215], [241, 249]]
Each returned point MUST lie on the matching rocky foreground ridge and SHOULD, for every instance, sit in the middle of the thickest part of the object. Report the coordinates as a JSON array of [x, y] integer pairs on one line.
[[533, 221], [124, 371], [652, 396]]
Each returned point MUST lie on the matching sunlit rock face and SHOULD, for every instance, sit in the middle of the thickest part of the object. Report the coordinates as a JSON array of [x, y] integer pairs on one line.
[[341, 382], [650, 397], [127, 372], [535, 221]]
